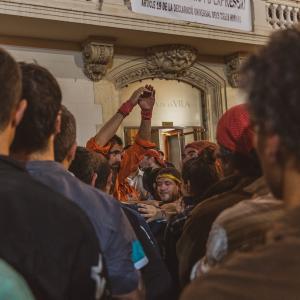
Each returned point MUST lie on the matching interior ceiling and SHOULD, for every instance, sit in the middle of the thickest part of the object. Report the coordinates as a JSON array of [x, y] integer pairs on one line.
[[15, 27]]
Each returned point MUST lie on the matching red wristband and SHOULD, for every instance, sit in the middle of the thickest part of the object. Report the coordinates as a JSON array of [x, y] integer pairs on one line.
[[126, 108], [146, 114]]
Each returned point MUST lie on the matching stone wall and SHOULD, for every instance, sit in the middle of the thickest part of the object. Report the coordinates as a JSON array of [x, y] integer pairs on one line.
[[78, 91], [94, 103]]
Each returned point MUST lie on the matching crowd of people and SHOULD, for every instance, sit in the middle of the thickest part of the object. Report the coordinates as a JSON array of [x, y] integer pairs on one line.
[[112, 222]]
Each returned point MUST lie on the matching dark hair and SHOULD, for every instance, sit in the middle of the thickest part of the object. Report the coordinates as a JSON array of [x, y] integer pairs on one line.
[[160, 151], [201, 172], [127, 147], [10, 87], [43, 95], [149, 179], [169, 170], [86, 163], [116, 140], [271, 78], [103, 171], [67, 136], [247, 165]]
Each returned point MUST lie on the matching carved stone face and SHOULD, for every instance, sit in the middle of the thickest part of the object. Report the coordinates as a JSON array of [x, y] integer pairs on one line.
[[95, 72]]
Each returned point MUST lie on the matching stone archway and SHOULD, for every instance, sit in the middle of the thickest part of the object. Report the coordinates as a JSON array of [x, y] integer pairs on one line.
[[177, 62]]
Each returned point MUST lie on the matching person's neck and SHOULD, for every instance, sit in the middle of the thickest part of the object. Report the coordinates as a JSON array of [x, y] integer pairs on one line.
[[47, 154], [291, 187], [66, 164], [41, 155], [4, 148], [6, 139]]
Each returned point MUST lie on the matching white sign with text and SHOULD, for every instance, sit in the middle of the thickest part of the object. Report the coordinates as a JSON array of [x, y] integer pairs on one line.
[[235, 14]]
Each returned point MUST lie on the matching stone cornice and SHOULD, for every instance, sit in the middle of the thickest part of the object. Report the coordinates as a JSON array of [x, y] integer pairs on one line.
[[117, 16]]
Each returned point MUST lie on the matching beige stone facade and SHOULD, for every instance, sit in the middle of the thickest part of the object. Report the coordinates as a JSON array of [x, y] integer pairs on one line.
[[100, 51]]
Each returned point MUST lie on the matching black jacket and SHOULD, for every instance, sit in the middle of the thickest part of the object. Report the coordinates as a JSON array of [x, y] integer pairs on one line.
[[46, 238], [155, 275]]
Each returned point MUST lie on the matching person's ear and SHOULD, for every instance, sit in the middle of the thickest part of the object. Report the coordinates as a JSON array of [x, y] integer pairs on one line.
[[58, 123], [19, 112], [94, 178]]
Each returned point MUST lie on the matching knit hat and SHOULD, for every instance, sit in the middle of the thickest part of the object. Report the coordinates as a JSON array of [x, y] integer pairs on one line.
[[155, 154], [234, 131], [201, 145]]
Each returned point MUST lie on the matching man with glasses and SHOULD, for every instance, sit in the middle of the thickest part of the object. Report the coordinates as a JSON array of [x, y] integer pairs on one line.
[[110, 145]]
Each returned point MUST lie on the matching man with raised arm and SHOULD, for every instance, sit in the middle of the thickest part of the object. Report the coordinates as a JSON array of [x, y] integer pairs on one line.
[[111, 146]]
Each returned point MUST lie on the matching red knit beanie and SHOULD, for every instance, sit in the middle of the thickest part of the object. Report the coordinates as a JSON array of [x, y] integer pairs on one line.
[[201, 145], [155, 154], [234, 131]]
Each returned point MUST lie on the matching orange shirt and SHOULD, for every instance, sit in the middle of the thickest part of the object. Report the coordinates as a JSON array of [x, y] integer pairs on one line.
[[130, 162]]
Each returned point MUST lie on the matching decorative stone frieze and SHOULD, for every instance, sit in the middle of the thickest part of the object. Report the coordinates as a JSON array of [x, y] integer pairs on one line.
[[281, 16], [170, 61], [135, 74], [233, 64], [96, 57], [165, 62]]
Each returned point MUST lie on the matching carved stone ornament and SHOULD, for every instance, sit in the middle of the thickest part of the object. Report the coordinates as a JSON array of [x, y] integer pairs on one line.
[[170, 61], [96, 56], [233, 64], [128, 4]]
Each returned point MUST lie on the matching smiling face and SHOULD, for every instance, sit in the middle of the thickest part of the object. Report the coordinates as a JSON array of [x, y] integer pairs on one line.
[[167, 189]]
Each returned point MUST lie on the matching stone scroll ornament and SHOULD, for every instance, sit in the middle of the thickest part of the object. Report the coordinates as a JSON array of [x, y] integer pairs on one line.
[[96, 56], [170, 61], [233, 64]]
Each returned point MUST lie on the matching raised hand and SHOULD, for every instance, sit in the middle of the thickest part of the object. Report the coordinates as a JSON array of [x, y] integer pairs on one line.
[[150, 212], [127, 107], [136, 96], [147, 99]]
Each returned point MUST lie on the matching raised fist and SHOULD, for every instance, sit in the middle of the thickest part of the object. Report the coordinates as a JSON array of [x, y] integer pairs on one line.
[[147, 99], [136, 96]]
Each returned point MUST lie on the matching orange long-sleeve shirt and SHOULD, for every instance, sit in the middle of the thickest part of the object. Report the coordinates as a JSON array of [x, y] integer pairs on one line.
[[130, 162]]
